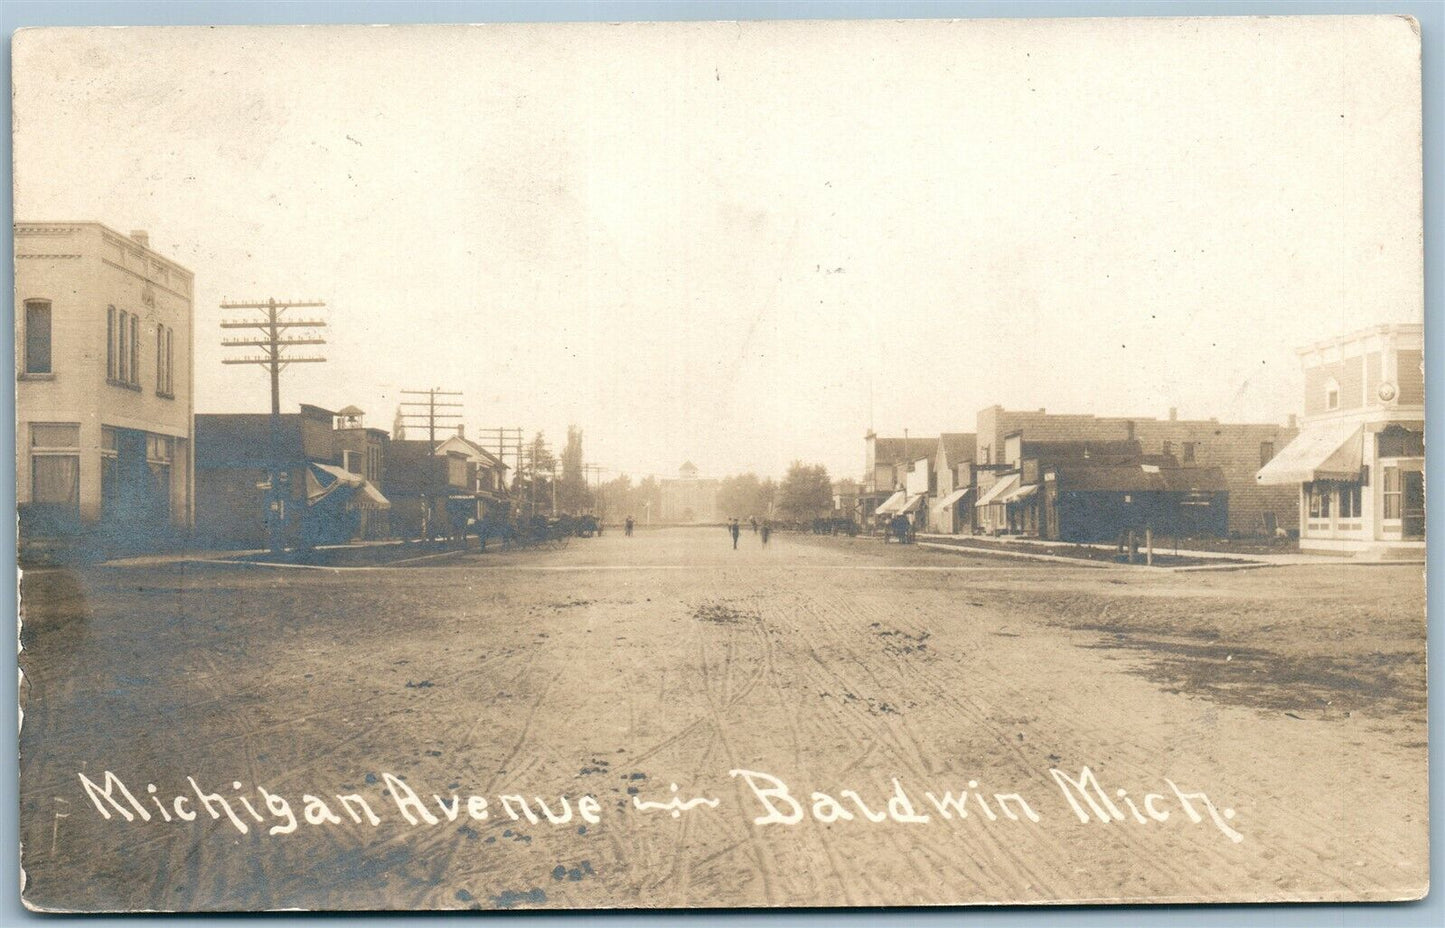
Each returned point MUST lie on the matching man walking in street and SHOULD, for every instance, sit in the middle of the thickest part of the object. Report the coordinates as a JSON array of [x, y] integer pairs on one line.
[[735, 530], [767, 530]]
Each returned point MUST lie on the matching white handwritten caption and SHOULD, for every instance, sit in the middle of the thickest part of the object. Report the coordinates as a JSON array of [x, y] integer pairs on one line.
[[775, 801]]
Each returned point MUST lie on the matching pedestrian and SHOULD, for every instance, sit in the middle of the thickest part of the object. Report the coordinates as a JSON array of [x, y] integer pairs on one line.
[[735, 530], [754, 521], [767, 530], [627, 527]]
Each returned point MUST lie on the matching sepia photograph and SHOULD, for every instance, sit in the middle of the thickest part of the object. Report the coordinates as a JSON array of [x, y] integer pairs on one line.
[[720, 465]]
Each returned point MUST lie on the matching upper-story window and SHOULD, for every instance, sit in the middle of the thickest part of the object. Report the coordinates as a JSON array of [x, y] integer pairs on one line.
[[1332, 394], [1189, 448], [122, 351], [165, 385], [1266, 452], [37, 337]]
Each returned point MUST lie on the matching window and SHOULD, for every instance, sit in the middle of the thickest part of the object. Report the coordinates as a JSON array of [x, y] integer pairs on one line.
[[109, 472], [122, 352], [159, 450], [1266, 452], [111, 359], [170, 369], [1398, 442], [1349, 501], [1326, 493], [1189, 447], [1391, 491], [165, 385], [351, 461], [1332, 394], [55, 465], [134, 350], [37, 337], [1169, 448]]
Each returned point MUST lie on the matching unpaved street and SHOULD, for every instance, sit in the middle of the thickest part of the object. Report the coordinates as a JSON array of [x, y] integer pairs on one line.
[[620, 666]]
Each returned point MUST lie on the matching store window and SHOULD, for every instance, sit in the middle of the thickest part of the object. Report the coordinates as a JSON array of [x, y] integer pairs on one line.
[[1349, 501], [55, 465]]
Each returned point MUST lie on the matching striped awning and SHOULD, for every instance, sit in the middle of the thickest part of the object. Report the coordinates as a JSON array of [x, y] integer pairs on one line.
[[997, 490], [1322, 451]]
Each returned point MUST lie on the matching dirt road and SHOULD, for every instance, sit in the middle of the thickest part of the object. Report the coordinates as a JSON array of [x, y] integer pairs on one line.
[[1292, 697]]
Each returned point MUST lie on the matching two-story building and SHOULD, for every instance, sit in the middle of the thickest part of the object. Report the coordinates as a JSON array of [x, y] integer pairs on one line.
[[1358, 463], [949, 511], [689, 498], [104, 377], [886, 464], [330, 478], [1237, 449]]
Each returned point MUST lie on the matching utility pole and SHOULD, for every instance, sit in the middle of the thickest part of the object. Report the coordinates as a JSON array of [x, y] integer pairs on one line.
[[505, 440], [594, 472], [435, 412], [274, 341]]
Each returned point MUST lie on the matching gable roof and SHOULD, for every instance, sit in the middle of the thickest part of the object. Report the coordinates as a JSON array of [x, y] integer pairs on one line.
[[903, 450], [958, 446], [471, 449]]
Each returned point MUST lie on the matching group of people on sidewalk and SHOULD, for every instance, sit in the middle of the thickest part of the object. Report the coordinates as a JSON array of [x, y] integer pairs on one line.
[[735, 529]]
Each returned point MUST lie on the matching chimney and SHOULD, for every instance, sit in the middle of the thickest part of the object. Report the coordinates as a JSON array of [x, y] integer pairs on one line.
[[1129, 425], [461, 430], [1173, 413], [141, 237]]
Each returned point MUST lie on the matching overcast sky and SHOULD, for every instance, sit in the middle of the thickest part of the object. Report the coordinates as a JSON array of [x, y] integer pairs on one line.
[[745, 244]]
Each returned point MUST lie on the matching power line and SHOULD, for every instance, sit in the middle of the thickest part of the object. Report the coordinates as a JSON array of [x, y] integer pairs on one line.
[[274, 344], [435, 411]]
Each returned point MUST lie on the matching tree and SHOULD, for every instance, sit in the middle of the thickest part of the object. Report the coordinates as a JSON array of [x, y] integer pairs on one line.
[[805, 493], [573, 495], [745, 496]]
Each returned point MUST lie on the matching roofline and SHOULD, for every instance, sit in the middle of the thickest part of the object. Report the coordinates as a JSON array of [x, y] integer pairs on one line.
[[116, 232], [1387, 328]]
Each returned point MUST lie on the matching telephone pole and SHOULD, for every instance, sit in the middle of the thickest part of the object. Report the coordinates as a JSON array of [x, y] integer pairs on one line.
[[436, 412], [505, 440], [278, 334]]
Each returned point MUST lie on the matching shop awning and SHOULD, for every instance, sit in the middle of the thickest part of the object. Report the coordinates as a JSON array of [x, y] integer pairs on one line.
[[368, 496], [952, 498], [998, 489], [325, 482], [892, 505], [915, 503], [1020, 494], [1322, 451]]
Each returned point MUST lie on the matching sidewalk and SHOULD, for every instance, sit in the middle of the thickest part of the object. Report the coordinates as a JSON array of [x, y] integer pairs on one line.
[[1225, 560]]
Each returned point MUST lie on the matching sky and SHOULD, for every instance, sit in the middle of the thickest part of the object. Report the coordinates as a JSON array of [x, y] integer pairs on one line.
[[746, 244]]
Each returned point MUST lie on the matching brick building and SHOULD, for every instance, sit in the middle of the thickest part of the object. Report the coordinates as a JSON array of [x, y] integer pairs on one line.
[[1357, 468], [327, 498], [1237, 449], [103, 391]]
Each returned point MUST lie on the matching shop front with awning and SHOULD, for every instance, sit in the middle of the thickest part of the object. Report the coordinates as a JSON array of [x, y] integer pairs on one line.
[[1361, 482], [335, 501], [950, 514], [891, 506], [1326, 461], [991, 507]]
